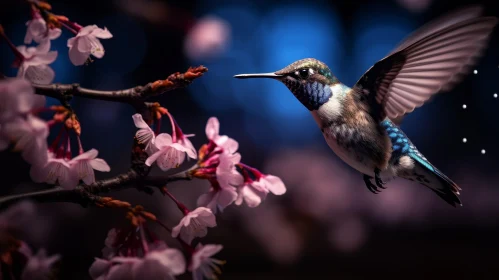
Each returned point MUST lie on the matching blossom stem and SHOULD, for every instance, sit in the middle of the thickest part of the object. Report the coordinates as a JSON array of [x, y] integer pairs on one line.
[[175, 128], [131, 95], [80, 146], [86, 195], [143, 240], [68, 145], [68, 27], [180, 205], [253, 170]]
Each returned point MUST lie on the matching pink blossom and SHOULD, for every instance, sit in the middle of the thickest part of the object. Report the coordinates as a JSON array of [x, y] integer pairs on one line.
[[30, 135], [160, 264], [84, 164], [223, 190], [212, 132], [194, 224], [169, 154], [34, 63], [109, 250], [273, 183], [202, 264], [37, 30], [87, 43], [17, 97], [38, 266], [208, 38], [55, 170], [144, 135], [253, 192]]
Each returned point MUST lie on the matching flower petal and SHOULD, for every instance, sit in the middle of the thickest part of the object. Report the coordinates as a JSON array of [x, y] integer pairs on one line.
[[90, 154], [163, 140], [40, 74], [99, 268], [84, 44], [43, 47], [212, 128], [275, 185], [100, 165], [97, 48], [226, 196], [150, 160], [139, 121], [77, 58], [54, 33], [102, 33], [171, 258]]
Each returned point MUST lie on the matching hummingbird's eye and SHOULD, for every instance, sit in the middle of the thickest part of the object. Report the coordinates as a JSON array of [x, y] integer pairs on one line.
[[304, 73]]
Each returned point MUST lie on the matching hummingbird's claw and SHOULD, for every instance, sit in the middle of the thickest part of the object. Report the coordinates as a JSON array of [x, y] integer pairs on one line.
[[377, 179], [370, 186]]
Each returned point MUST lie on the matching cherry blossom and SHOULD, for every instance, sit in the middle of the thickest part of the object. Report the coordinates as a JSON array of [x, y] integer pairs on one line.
[[55, 170], [38, 266], [144, 135], [17, 97], [223, 191], [84, 164], [30, 135], [87, 43], [169, 154], [34, 61], [194, 224], [37, 30], [212, 132], [109, 250], [253, 192], [202, 264], [159, 264]]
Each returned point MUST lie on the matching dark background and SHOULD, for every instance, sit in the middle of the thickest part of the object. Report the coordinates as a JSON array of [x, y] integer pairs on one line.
[[328, 225]]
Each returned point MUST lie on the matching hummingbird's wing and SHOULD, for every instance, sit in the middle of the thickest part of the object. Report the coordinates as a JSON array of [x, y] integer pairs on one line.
[[432, 59]]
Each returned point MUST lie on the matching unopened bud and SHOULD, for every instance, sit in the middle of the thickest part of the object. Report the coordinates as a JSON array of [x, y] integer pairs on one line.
[[42, 5], [149, 215]]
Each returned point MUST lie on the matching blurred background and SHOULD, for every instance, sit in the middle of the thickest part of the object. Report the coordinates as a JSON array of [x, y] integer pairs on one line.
[[328, 225]]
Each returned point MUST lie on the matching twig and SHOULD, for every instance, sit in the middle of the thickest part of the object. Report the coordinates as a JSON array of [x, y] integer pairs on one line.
[[65, 92], [88, 194]]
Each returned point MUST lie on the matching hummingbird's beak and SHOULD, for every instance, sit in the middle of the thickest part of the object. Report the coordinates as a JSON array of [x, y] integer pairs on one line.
[[261, 75]]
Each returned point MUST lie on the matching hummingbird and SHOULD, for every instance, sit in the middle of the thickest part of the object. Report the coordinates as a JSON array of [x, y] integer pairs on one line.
[[361, 123]]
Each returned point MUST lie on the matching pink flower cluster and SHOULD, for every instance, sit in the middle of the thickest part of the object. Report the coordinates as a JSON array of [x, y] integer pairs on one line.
[[231, 181], [33, 62], [136, 253], [19, 125], [219, 162]]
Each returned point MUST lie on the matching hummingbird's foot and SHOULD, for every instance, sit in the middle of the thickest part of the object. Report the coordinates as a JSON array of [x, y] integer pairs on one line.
[[377, 178], [370, 186]]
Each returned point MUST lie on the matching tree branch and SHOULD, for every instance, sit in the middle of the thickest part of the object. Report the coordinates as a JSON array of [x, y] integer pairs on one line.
[[88, 194], [65, 92]]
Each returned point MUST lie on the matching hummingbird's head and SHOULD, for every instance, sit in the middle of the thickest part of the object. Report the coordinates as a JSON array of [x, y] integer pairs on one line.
[[309, 79]]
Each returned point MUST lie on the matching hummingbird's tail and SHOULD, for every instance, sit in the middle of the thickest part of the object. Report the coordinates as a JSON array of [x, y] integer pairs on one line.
[[428, 175]]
